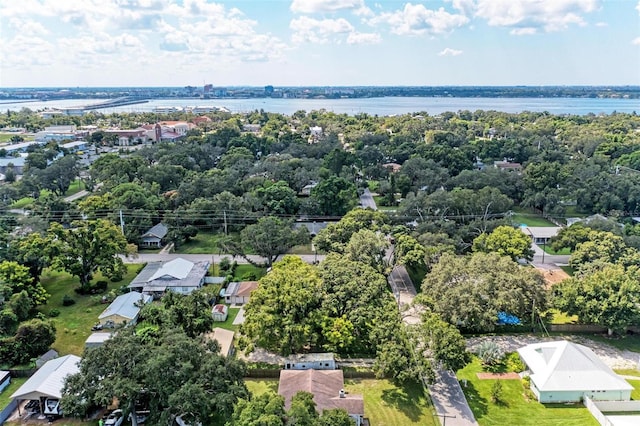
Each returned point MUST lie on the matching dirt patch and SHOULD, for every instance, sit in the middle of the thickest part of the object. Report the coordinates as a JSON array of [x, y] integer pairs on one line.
[[553, 276], [498, 376]]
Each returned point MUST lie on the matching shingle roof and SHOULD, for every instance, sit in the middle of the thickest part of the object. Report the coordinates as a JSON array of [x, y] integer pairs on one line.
[[567, 366], [242, 288], [175, 269], [224, 339], [125, 305], [159, 230], [325, 385], [49, 379]]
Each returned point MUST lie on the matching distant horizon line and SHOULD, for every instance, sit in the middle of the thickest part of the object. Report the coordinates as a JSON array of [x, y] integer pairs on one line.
[[338, 86]]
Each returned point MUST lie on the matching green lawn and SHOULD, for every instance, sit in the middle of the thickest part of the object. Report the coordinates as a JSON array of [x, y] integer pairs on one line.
[[301, 249], [569, 270], [384, 403], [209, 243], [5, 399], [75, 187], [228, 324], [530, 220], [516, 410], [22, 203], [244, 271], [74, 323], [547, 248]]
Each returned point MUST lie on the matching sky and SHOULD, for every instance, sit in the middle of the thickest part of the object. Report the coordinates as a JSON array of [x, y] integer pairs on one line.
[[113, 43]]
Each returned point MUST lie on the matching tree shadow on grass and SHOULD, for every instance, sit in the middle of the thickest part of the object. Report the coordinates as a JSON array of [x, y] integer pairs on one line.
[[406, 399], [478, 404]]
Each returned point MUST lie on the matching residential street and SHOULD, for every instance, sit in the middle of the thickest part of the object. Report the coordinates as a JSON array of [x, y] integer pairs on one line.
[[366, 200], [164, 257]]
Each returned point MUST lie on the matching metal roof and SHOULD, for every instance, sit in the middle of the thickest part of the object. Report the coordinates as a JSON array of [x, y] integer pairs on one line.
[[152, 280], [159, 230], [49, 379], [126, 305], [175, 269]]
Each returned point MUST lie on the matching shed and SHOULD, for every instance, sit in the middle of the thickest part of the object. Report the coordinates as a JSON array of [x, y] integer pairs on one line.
[[154, 237], [96, 339], [47, 356], [239, 293], [563, 371], [124, 309], [5, 379], [317, 361], [220, 312], [224, 339], [46, 384]]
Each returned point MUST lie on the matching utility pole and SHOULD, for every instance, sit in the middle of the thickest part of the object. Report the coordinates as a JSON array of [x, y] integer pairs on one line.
[[444, 418], [224, 215], [121, 222]]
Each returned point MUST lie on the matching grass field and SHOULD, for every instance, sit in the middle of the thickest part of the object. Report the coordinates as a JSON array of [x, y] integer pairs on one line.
[[569, 270], [75, 187], [516, 410], [16, 382], [209, 243], [74, 323], [530, 220], [228, 324], [547, 248], [384, 403], [22, 203]]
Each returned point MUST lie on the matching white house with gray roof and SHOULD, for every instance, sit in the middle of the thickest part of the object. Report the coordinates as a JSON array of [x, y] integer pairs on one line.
[[178, 275], [154, 237], [124, 309]]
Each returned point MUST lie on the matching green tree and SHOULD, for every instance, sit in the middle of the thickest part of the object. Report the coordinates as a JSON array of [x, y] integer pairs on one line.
[[335, 417], [335, 196], [505, 241], [368, 247], [609, 297], [283, 315], [336, 236], [266, 409], [32, 251], [88, 247], [18, 279], [302, 411], [470, 291], [178, 375], [278, 198], [271, 237]]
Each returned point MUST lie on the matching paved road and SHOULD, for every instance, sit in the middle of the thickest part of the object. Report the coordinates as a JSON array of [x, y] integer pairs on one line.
[[449, 401], [547, 261], [76, 196], [366, 200]]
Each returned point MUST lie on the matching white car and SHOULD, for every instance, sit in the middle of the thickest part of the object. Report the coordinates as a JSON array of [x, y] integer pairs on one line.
[[115, 418]]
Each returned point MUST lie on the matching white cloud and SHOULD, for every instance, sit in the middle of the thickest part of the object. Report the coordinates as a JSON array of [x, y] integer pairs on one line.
[[465, 6], [417, 19], [28, 27], [312, 30], [638, 6], [602, 24], [523, 31], [636, 41], [323, 6], [544, 15], [450, 52], [363, 38]]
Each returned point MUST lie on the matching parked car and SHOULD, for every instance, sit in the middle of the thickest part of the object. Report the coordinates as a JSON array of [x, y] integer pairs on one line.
[[141, 416], [115, 418]]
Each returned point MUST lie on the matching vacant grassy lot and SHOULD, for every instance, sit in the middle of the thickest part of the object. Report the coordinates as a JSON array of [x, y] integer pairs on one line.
[[516, 409], [74, 323], [209, 243], [384, 403]]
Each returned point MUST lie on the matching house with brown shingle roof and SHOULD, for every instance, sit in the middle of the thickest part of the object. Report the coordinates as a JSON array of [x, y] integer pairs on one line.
[[238, 293], [327, 387]]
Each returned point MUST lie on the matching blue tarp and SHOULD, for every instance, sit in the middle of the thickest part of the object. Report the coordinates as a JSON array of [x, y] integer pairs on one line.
[[508, 319]]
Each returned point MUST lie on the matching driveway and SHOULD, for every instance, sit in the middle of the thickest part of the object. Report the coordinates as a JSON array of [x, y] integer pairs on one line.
[[449, 401]]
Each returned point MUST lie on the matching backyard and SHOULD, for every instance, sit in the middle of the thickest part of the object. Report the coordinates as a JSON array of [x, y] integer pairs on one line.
[[517, 407], [384, 403], [73, 324], [522, 216]]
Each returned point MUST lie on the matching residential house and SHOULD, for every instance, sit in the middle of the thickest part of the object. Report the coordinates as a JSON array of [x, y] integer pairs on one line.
[[46, 357], [178, 275], [5, 379], [127, 137], [563, 371], [316, 361], [220, 312], [20, 146], [392, 167], [45, 385], [541, 235], [124, 309], [251, 128], [327, 387], [15, 163], [312, 227], [154, 237], [224, 339], [507, 166], [306, 190], [75, 146], [238, 293]]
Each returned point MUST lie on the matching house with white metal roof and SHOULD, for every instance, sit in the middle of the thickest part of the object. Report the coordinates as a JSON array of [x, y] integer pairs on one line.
[[46, 384], [124, 309], [563, 371], [178, 275]]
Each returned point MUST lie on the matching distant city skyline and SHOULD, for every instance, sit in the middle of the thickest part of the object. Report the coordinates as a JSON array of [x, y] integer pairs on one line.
[[108, 43]]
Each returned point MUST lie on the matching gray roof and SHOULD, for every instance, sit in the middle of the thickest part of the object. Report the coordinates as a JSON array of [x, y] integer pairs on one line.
[[48, 380], [313, 357], [16, 161], [98, 337], [159, 230], [4, 375], [126, 305], [313, 227], [158, 276]]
